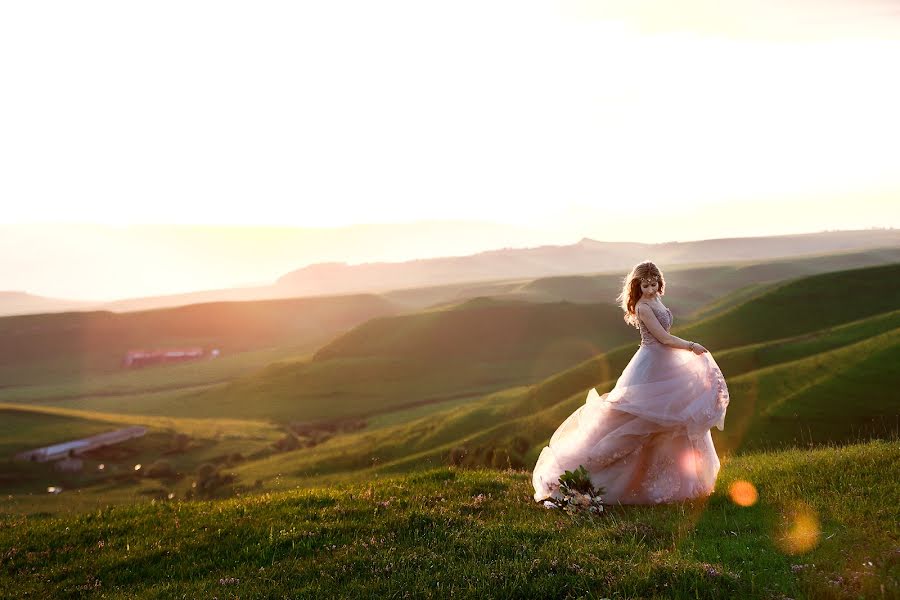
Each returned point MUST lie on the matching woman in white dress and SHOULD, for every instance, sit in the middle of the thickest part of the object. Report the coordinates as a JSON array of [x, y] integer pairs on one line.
[[648, 440]]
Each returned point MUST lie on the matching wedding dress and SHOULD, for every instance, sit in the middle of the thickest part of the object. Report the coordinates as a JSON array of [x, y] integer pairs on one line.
[[648, 440]]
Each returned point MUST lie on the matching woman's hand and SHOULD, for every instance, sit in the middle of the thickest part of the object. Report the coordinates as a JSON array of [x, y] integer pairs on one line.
[[698, 349]]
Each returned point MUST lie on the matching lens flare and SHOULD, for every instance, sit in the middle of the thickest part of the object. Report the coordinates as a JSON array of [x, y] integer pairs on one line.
[[799, 529], [743, 493], [690, 461]]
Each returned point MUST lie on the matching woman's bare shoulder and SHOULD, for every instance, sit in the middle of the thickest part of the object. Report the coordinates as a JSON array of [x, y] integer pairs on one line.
[[642, 308]]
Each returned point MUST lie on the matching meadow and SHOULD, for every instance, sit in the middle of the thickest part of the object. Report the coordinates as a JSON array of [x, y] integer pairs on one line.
[[455, 400], [820, 528]]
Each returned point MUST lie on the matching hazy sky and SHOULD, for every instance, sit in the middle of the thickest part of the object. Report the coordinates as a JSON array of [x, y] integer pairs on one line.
[[693, 119]]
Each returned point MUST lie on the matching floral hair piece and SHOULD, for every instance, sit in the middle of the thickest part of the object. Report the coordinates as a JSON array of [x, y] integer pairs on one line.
[[650, 279]]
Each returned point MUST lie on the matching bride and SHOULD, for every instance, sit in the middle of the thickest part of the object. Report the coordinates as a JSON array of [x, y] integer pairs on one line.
[[648, 440]]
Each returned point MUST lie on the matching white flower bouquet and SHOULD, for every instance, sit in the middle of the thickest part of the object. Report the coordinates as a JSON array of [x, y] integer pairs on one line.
[[578, 495]]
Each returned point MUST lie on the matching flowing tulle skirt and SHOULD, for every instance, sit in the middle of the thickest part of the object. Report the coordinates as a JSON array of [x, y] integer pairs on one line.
[[648, 440]]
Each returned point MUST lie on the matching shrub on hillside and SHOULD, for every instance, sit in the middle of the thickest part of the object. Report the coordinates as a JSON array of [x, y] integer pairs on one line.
[[287, 443], [160, 469], [180, 443], [457, 455], [209, 479], [520, 444]]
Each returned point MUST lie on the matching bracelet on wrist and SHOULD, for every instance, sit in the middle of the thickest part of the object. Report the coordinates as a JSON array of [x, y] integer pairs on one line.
[[691, 346]]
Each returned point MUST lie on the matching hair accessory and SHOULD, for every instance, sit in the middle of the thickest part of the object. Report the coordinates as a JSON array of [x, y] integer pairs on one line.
[[649, 279]]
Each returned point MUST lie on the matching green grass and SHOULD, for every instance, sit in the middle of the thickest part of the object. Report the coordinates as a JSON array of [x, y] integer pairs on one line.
[[479, 534]]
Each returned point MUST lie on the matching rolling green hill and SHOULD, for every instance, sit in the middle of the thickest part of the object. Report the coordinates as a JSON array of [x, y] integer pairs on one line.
[[794, 381], [511, 427], [386, 363], [483, 329], [825, 526], [66, 346], [802, 305]]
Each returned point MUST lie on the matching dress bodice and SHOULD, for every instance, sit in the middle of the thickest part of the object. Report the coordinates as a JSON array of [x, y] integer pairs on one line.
[[664, 315]]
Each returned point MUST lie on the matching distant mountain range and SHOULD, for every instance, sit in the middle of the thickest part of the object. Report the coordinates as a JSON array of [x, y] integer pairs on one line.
[[584, 257]]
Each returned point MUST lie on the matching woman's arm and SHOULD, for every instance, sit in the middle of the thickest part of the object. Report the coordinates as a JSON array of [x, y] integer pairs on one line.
[[649, 319]]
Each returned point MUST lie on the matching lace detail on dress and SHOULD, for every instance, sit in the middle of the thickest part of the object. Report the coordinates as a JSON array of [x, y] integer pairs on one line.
[[664, 315], [663, 480], [596, 463]]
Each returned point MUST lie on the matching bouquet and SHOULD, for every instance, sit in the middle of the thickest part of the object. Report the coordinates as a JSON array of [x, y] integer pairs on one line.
[[578, 494]]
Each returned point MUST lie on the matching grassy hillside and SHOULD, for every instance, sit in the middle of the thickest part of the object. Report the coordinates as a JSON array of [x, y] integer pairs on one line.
[[801, 306], [814, 375], [807, 306], [830, 380], [825, 526], [36, 348], [484, 329], [473, 349], [25, 484], [511, 427]]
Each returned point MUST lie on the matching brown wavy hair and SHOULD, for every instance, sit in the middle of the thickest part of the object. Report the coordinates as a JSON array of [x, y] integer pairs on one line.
[[631, 289]]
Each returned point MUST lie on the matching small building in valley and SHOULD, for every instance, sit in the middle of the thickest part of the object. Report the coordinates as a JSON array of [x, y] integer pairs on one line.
[[142, 358]]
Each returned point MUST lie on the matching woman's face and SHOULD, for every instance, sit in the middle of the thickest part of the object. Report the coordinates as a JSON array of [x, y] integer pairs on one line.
[[650, 288]]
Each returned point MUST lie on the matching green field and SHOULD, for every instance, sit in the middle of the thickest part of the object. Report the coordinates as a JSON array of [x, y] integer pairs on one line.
[[475, 379], [822, 528], [458, 399]]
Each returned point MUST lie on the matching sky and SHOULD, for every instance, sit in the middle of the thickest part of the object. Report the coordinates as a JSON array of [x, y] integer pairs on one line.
[[580, 118]]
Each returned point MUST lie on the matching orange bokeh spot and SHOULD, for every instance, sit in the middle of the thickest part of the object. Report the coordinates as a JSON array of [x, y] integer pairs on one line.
[[743, 493]]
